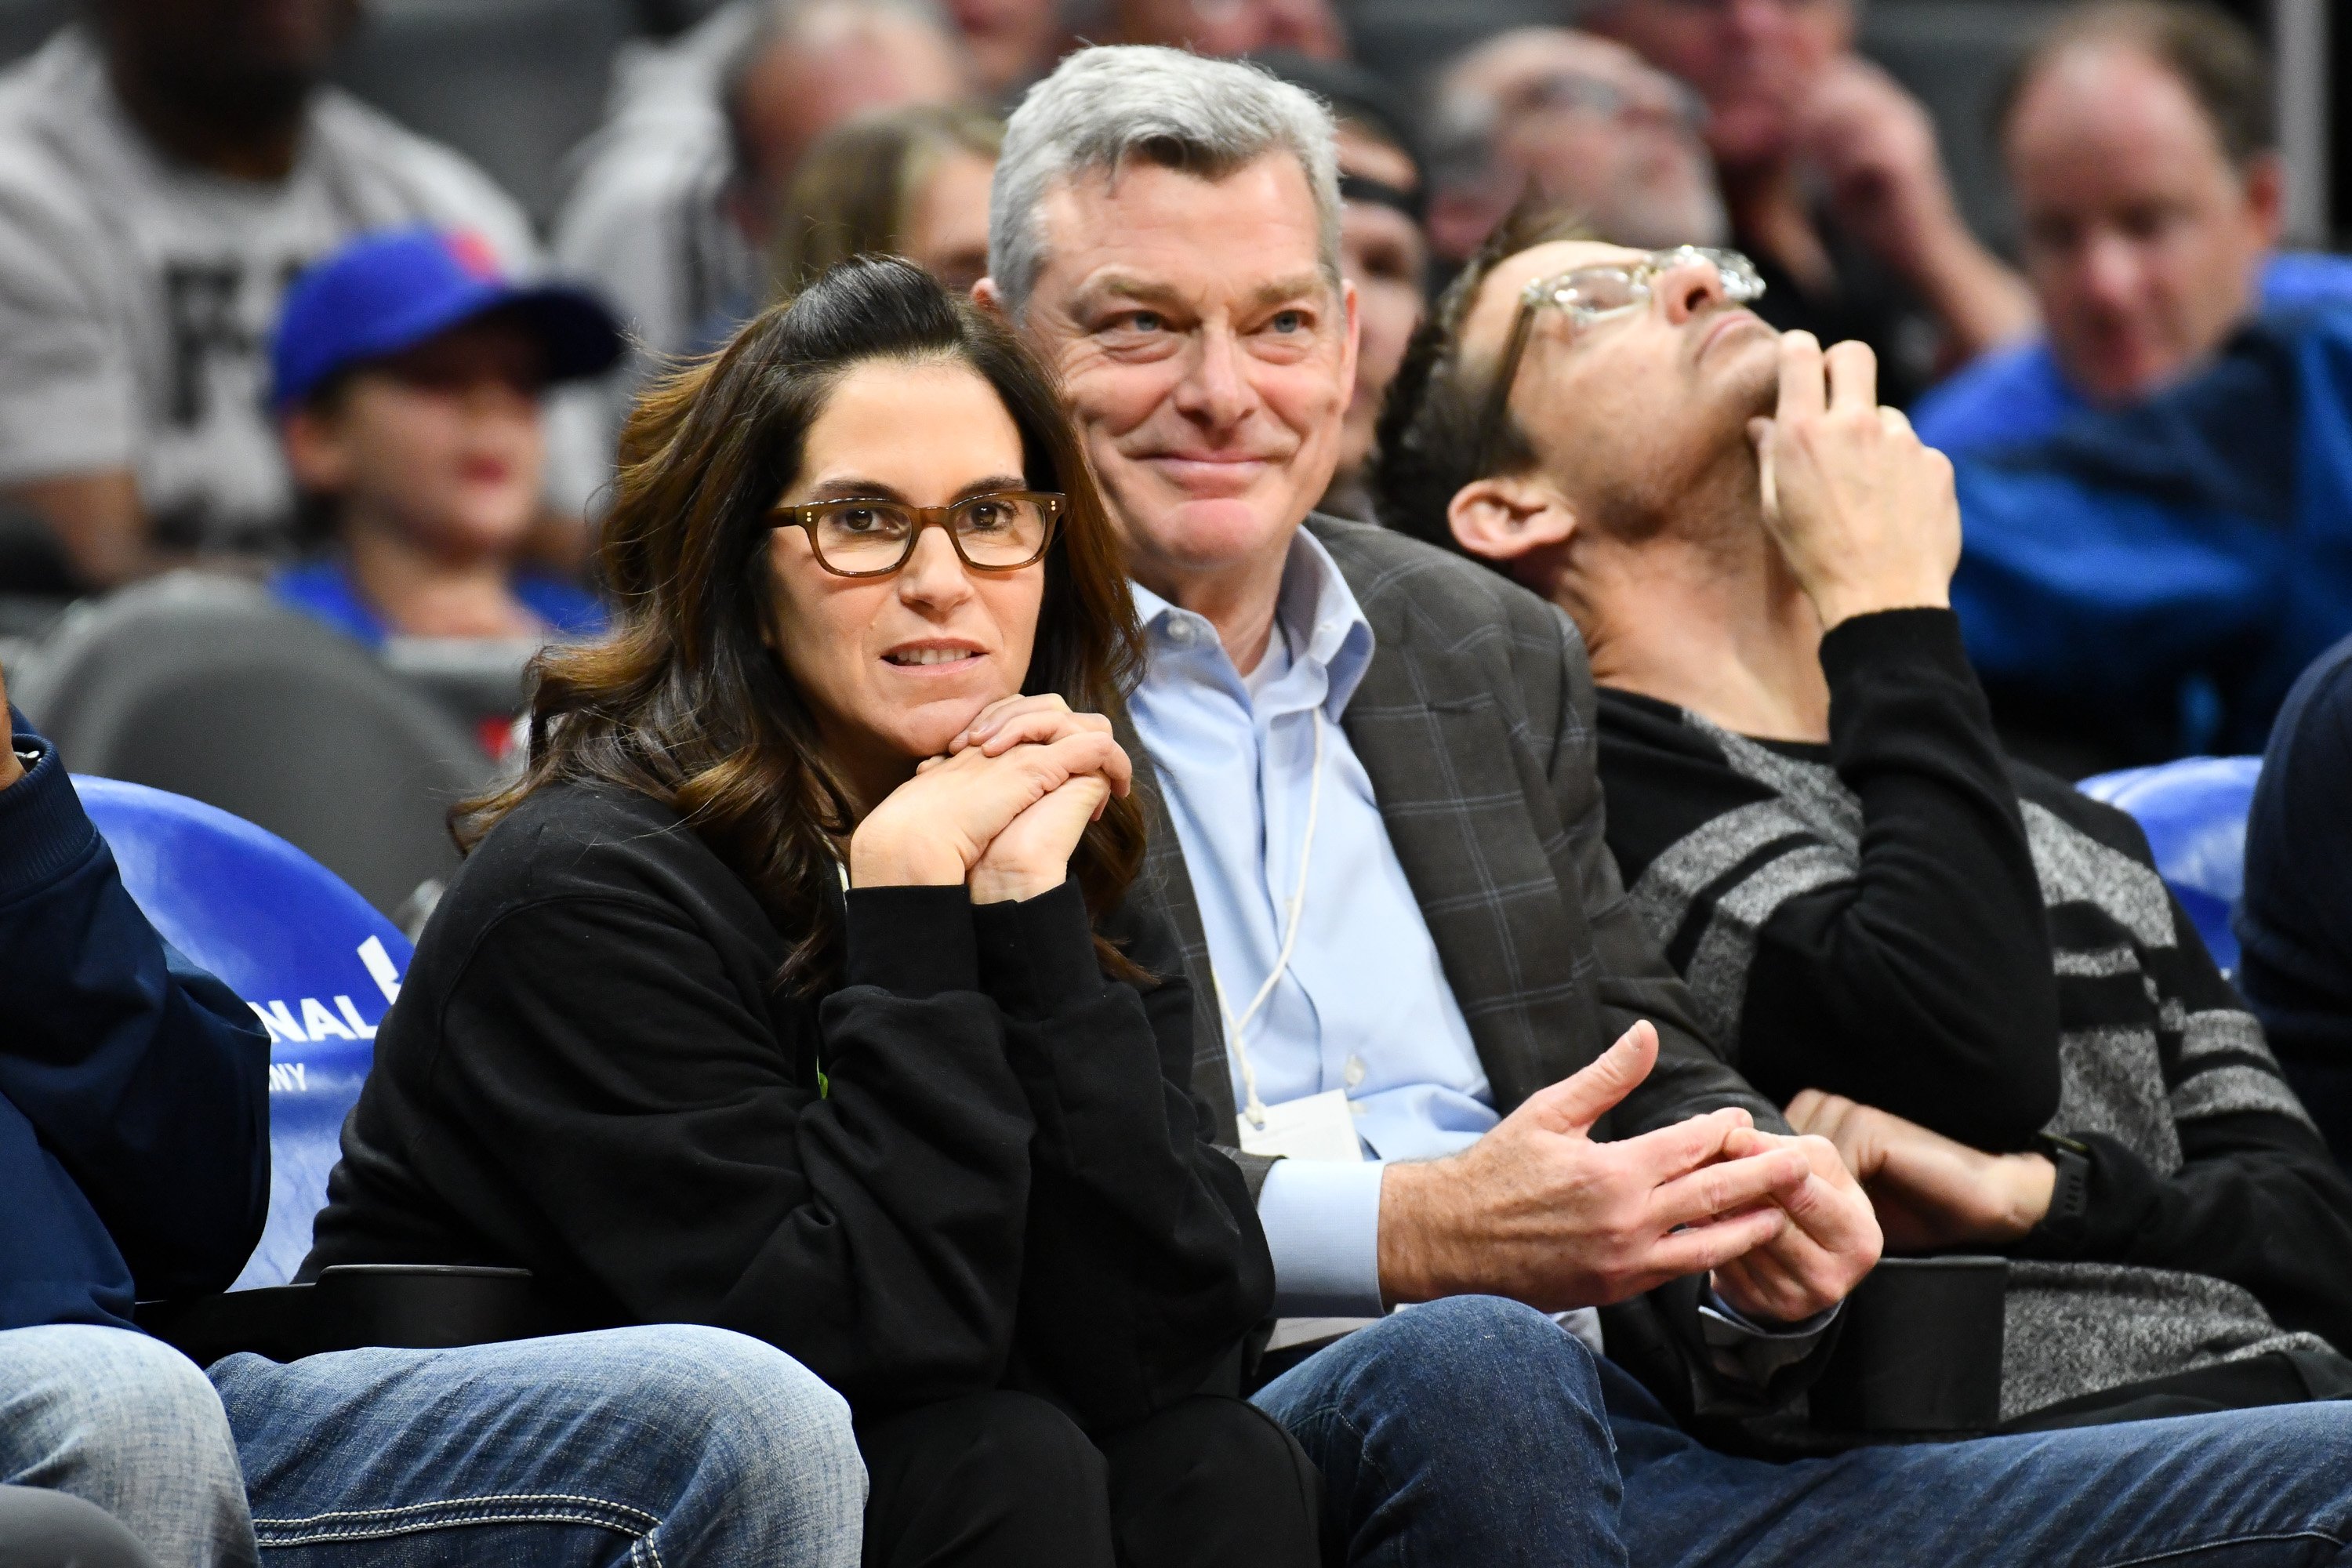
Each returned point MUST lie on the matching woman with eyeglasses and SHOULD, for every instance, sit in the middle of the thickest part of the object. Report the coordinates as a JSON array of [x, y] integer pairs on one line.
[[795, 988]]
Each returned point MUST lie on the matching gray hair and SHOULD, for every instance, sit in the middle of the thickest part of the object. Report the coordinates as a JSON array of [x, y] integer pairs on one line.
[[1104, 106]]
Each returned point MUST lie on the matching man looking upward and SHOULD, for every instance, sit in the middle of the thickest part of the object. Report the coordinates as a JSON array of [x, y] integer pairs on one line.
[[1934, 956]]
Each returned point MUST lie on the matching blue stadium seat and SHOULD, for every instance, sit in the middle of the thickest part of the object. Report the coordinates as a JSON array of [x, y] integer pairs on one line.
[[2194, 814], [317, 963]]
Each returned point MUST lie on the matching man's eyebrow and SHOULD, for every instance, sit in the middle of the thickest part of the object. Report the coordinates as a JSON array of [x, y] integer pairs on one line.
[[1282, 288], [1147, 291], [1126, 286]]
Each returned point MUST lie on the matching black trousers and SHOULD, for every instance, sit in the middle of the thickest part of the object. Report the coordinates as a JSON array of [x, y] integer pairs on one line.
[[43, 1529], [1008, 1480]]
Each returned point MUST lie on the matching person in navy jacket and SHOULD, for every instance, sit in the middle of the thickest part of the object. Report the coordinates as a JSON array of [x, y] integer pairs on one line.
[[134, 1161]]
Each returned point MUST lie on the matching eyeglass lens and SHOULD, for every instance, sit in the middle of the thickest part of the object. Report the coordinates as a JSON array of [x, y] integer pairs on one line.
[[872, 535]]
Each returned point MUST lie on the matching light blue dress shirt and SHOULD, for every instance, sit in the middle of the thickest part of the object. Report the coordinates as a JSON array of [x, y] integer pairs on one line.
[[1364, 1006]]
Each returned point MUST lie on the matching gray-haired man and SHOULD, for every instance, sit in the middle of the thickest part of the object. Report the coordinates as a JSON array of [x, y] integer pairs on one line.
[[1381, 842]]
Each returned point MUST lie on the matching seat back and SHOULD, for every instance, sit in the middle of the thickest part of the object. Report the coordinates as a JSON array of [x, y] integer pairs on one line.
[[2194, 814], [206, 686], [314, 961]]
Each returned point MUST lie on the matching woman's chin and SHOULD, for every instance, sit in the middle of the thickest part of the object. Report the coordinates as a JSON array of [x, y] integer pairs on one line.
[[928, 731]]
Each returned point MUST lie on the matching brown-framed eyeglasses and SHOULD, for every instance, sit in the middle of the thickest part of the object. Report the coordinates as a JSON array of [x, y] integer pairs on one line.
[[864, 537]]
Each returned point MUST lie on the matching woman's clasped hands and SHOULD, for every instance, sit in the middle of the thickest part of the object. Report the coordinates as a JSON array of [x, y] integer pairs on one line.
[[1003, 810]]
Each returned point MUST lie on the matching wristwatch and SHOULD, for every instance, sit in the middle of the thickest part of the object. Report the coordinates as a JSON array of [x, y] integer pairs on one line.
[[2069, 1198]]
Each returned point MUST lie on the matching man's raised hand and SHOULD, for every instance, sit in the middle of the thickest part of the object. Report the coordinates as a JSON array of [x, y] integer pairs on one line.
[[1864, 512], [1538, 1211]]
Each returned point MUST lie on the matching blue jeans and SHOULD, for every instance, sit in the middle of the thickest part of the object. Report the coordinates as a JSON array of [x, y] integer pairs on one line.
[[1475, 1430], [657, 1448], [129, 1423]]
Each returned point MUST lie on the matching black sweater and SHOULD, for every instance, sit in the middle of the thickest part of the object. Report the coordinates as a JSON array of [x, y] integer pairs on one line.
[[1903, 918], [976, 1163]]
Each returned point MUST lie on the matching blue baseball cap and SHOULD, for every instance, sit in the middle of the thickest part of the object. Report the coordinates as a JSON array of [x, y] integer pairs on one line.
[[389, 292]]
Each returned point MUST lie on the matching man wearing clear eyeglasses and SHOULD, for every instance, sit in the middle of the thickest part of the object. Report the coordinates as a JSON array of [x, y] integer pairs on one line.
[[1583, 123], [1617, 430]]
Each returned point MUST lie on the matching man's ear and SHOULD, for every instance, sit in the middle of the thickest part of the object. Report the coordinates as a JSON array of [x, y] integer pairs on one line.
[[1508, 517], [2265, 182], [984, 294]]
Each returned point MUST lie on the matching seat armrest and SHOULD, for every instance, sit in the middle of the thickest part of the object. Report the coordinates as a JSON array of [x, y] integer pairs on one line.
[[406, 1306]]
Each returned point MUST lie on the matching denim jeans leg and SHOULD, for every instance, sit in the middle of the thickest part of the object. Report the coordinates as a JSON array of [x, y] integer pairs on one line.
[[656, 1447], [129, 1423], [1467, 1430], [2250, 1489]]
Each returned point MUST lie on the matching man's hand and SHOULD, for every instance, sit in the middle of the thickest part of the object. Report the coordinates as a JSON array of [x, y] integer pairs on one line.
[[1929, 1191], [1875, 148], [1830, 1242], [1866, 514], [11, 770], [1535, 1210]]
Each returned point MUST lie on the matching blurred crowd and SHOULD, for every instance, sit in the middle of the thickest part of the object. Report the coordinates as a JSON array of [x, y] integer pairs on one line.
[[249, 323], [217, 353]]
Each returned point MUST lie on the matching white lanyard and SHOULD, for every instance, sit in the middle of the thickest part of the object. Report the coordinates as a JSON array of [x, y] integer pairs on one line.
[[1256, 1108]]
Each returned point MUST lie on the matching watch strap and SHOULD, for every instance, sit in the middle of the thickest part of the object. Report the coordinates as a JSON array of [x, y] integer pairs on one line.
[[2070, 1196]]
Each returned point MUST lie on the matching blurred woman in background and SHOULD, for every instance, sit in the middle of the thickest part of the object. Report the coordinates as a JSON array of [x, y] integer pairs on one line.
[[911, 182]]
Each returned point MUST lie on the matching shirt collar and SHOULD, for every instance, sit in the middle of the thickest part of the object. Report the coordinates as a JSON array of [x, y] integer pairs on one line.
[[1316, 609]]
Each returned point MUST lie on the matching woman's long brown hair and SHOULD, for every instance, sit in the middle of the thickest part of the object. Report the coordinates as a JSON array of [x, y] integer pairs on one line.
[[686, 700]]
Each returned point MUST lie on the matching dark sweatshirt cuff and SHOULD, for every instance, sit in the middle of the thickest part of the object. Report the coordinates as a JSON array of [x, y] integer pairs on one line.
[[911, 941], [1868, 645], [2121, 1191], [1037, 956], [44, 832]]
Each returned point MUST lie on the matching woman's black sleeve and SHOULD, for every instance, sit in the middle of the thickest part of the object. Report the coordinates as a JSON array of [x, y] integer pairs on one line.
[[2258, 1201], [660, 1143], [1145, 1265], [1924, 984]]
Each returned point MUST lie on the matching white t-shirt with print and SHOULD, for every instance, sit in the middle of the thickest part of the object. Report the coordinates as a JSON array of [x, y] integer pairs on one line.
[[137, 295]]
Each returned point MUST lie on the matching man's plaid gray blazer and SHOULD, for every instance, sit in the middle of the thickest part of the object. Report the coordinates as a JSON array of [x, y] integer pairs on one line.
[[1474, 722]]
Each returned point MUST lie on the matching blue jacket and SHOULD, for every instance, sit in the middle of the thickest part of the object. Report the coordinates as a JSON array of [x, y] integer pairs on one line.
[[2015, 396], [134, 1110], [2154, 578]]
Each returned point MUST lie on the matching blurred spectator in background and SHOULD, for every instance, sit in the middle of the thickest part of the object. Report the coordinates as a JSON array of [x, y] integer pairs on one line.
[[677, 194], [1223, 28], [165, 167], [907, 182], [1834, 181], [1383, 251], [407, 374], [2295, 923], [1012, 42], [2141, 140], [1586, 125]]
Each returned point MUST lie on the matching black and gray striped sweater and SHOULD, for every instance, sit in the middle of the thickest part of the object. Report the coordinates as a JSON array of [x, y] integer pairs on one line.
[[1903, 917]]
